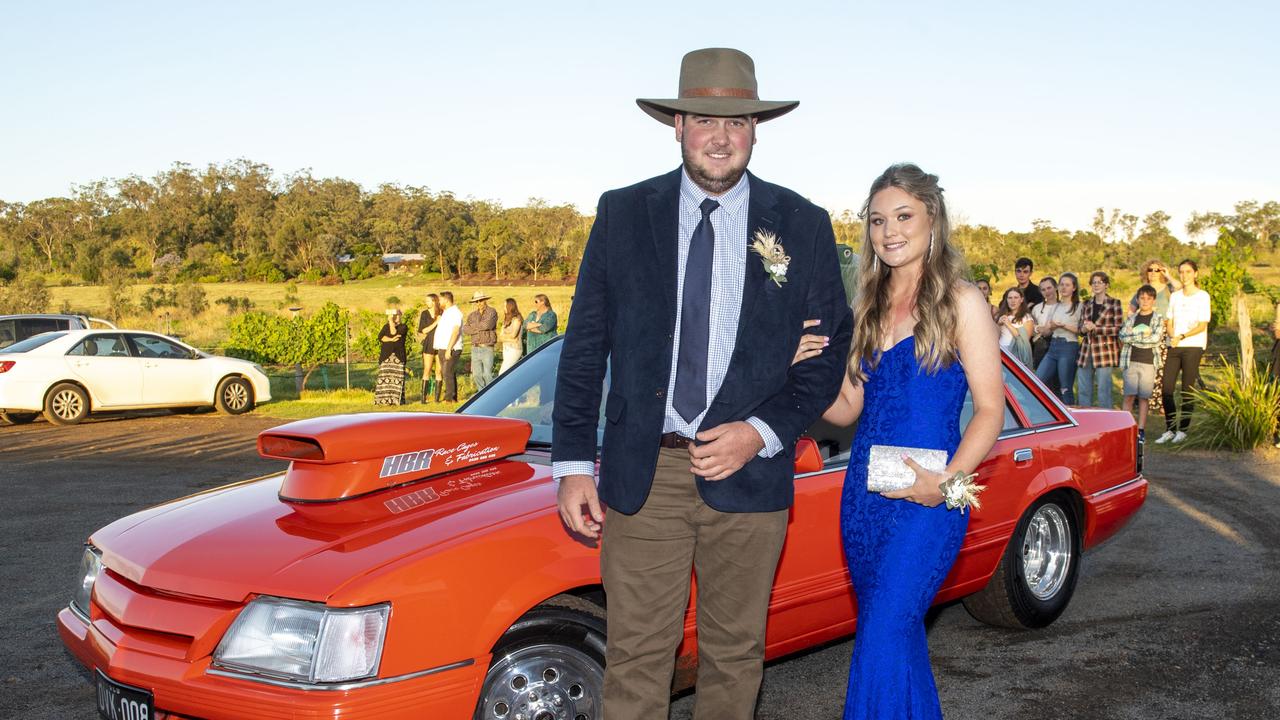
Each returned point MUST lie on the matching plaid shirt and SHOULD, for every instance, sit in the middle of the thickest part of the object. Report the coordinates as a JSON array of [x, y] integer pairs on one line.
[[1101, 346], [1152, 340]]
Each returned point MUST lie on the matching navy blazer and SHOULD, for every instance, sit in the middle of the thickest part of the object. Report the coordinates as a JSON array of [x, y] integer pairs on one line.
[[624, 319]]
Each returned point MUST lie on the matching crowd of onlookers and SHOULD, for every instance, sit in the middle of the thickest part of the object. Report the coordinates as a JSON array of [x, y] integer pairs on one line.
[[1075, 346], [441, 328]]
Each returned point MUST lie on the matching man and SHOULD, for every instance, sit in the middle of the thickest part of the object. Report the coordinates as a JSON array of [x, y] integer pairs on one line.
[[1031, 294], [482, 327], [448, 344], [697, 333]]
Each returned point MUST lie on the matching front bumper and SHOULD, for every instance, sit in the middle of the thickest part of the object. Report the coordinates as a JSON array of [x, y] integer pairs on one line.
[[185, 689]]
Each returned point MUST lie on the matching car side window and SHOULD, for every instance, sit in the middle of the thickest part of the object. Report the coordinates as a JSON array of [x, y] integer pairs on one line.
[[1037, 414], [1010, 419], [149, 346], [100, 346]]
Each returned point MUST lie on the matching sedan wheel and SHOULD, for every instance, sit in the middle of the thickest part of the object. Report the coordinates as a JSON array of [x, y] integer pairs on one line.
[[234, 396], [66, 404], [1037, 575], [548, 666]]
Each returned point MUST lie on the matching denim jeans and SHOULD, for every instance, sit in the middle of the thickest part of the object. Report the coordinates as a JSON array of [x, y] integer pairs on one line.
[[482, 365], [1058, 368], [1090, 379]]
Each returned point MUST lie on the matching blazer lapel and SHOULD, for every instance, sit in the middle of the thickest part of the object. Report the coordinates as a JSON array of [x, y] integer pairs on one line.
[[664, 219], [761, 215]]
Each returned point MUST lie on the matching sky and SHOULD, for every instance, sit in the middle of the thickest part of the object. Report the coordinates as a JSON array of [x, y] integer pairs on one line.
[[1025, 110]]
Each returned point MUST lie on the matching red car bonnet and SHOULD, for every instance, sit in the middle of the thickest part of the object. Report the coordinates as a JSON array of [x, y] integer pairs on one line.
[[343, 456]]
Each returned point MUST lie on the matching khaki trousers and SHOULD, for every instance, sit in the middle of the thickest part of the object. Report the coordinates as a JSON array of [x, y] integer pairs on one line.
[[646, 562]]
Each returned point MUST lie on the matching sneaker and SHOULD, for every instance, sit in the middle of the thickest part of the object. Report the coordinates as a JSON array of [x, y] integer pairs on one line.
[[1166, 437], [1179, 437], [1142, 435]]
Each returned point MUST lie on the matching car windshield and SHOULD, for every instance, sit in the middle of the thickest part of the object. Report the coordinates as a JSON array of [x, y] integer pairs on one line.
[[528, 392], [32, 343]]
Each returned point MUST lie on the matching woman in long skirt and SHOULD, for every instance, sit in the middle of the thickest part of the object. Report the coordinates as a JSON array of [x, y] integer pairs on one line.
[[392, 359]]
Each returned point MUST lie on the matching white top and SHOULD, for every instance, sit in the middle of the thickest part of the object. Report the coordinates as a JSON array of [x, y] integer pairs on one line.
[[1187, 311], [450, 320], [1060, 311]]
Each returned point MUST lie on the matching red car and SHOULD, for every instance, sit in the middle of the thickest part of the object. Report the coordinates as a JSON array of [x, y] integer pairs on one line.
[[413, 565]]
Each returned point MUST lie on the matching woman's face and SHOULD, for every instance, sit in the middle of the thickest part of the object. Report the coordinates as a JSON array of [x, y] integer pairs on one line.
[[1155, 275], [899, 227], [1049, 292], [1098, 286], [984, 287], [1187, 274], [1013, 299], [1067, 288]]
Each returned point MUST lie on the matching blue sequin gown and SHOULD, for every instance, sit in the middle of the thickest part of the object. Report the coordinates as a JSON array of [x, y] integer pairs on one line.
[[899, 552]]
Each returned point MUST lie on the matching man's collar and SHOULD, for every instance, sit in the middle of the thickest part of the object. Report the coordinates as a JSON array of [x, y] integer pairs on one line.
[[731, 201]]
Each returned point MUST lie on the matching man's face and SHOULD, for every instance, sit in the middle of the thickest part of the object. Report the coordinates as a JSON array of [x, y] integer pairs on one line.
[[1186, 274], [716, 150], [1023, 274], [1146, 303]]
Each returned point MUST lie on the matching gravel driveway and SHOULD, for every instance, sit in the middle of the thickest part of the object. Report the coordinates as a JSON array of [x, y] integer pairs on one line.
[[1177, 617]]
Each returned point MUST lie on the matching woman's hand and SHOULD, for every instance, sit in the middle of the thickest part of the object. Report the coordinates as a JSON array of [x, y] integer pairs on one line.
[[927, 489], [810, 345]]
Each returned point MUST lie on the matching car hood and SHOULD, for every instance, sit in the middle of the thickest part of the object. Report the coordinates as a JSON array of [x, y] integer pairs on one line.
[[249, 539]]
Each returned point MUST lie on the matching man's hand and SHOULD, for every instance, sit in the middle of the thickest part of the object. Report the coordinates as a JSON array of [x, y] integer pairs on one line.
[[575, 492], [724, 450]]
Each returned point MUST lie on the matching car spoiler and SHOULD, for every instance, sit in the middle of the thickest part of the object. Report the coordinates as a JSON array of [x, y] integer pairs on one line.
[[344, 456]]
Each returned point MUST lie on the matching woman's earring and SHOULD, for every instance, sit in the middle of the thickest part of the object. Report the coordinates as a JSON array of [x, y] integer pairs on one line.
[[875, 262], [930, 246]]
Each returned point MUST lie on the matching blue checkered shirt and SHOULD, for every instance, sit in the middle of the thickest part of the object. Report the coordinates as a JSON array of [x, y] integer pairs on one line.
[[727, 276]]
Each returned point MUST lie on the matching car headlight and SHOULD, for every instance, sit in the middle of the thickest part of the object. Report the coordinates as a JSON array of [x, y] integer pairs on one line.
[[90, 567], [305, 641]]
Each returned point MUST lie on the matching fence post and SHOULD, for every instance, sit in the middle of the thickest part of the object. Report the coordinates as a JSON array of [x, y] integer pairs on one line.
[[348, 314]]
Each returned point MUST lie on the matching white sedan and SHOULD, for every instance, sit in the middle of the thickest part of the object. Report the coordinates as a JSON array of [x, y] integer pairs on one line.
[[68, 374]]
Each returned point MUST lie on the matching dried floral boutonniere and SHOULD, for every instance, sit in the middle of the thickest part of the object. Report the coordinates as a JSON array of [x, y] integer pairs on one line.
[[773, 255]]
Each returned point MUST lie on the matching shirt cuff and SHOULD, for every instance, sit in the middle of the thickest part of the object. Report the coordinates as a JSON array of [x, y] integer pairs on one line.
[[561, 468], [772, 445]]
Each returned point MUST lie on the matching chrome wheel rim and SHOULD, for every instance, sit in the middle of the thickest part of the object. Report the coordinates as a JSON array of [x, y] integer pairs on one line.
[[1047, 550], [543, 682], [67, 405], [235, 396]]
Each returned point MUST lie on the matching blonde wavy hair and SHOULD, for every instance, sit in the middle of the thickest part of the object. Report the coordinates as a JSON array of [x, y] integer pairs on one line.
[[936, 306]]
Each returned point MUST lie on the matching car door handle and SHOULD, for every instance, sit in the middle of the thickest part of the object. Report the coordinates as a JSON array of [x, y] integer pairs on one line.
[[1022, 455]]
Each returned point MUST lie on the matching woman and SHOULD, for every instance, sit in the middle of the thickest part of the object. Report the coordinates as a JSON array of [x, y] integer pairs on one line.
[[984, 287], [1099, 343], [1015, 325], [909, 371], [541, 325], [391, 361], [1187, 325], [1156, 274], [512, 329], [1058, 368], [1040, 313], [427, 321]]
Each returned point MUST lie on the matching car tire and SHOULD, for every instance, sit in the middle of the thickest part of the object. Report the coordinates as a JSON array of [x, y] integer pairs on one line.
[[234, 396], [549, 664], [66, 404], [1037, 575], [18, 418]]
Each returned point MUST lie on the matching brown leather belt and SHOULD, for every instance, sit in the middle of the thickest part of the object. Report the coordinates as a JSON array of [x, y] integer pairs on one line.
[[674, 440]]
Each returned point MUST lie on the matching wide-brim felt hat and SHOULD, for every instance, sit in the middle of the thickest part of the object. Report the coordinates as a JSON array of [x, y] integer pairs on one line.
[[717, 82], [477, 296]]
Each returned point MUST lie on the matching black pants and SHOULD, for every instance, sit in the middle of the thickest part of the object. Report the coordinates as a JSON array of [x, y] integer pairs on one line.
[[449, 372], [1185, 360]]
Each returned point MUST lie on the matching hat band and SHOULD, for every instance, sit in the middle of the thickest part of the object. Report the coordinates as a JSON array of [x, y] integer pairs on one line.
[[744, 93]]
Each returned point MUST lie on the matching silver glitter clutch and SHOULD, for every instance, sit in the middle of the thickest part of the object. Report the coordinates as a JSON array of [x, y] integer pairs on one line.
[[886, 470]]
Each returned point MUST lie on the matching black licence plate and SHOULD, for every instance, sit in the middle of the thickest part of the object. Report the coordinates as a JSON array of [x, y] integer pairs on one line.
[[121, 702]]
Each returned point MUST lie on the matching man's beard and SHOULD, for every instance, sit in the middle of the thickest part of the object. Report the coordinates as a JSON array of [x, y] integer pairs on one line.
[[712, 184]]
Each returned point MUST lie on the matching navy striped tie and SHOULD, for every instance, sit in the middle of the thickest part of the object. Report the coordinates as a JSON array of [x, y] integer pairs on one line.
[[695, 319]]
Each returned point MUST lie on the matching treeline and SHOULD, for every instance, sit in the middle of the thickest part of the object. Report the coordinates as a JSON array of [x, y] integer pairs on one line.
[[238, 221]]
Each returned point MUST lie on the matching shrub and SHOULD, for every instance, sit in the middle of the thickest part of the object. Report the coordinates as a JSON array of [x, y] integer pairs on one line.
[[159, 297], [1241, 414], [235, 304], [28, 295], [190, 298]]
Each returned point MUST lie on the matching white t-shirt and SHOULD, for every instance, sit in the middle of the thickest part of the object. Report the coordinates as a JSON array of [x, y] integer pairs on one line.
[[450, 320], [1187, 311]]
